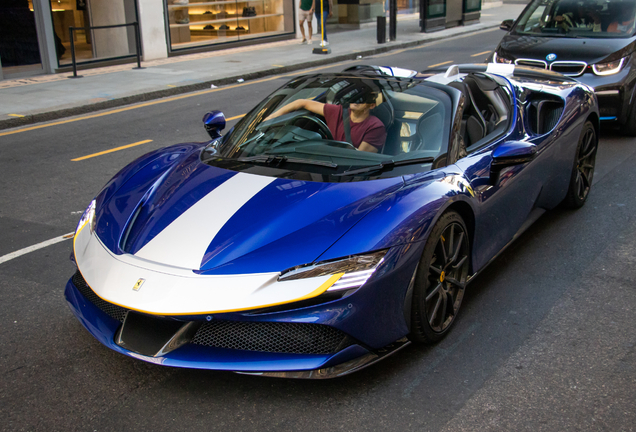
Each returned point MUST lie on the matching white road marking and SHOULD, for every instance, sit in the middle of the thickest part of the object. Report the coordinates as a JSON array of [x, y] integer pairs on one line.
[[29, 249]]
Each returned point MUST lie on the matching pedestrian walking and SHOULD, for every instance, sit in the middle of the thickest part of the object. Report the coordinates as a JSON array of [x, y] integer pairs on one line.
[[306, 13], [327, 12]]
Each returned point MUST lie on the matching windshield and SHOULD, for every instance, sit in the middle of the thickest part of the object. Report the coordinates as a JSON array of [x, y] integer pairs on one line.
[[302, 127], [578, 18]]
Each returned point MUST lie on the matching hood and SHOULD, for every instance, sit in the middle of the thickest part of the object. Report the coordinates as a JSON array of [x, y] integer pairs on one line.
[[214, 221], [589, 50]]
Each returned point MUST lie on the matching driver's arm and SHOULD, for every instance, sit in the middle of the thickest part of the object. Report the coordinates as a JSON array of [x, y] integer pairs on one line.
[[309, 105], [365, 146]]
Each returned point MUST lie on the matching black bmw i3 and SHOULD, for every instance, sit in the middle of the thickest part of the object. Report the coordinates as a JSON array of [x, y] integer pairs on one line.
[[590, 40]]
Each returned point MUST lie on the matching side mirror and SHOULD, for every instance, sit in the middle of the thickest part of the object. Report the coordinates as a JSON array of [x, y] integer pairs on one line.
[[506, 24], [510, 153], [513, 153], [214, 123]]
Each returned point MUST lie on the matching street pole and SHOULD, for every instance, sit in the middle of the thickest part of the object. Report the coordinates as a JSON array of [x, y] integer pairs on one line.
[[392, 19], [323, 49]]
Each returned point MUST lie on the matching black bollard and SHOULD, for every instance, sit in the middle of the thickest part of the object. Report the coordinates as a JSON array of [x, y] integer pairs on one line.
[[381, 29]]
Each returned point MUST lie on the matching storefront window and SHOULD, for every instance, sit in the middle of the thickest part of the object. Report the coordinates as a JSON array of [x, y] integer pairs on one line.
[[93, 44], [436, 8], [19, 49], [408, 6], [472, 5], [198, 23]]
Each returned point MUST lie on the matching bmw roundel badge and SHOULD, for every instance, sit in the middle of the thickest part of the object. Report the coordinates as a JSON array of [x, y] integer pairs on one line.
[[550, 57]]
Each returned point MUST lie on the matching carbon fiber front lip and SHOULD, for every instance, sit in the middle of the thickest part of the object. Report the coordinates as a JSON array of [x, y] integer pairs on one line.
[[339, 370]]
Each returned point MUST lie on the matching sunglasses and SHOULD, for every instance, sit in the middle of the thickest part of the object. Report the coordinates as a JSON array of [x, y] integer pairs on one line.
[[368, 98]]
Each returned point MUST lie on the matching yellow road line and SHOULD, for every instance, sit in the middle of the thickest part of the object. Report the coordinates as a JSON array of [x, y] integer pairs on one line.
[[111, 150], [15, 115], [170, 85], [440, 64], [135, 144], [481, 53], [390, 53], [164, 100], [128, 108]]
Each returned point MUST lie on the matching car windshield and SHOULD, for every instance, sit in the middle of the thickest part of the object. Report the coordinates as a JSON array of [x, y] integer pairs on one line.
[[578, 18], [301, 127]]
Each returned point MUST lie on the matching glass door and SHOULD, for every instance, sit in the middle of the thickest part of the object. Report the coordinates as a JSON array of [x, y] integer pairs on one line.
[[19, 49]]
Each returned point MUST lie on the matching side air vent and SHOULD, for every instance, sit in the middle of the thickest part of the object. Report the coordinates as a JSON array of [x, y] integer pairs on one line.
[[544, 115], [114, 311]]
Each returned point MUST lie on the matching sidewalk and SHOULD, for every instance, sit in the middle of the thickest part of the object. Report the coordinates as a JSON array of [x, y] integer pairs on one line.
[[35, 99]]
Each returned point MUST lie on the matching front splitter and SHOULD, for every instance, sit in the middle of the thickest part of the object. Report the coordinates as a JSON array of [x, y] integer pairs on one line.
[[341, 369]]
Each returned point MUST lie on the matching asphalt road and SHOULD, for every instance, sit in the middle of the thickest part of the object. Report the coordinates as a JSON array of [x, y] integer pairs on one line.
[[545, 341]]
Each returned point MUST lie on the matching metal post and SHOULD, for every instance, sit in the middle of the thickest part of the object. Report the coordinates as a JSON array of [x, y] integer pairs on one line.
[[323, 48], [138, 45], [392, 19], [381, 29], [75, 75]]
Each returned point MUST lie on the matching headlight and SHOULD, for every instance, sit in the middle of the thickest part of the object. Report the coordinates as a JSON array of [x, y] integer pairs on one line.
[[497, 59], [87, 218], [356, 270], [608, 68]]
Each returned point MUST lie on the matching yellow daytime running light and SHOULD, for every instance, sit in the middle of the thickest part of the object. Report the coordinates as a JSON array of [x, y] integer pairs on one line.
[[357, 270]]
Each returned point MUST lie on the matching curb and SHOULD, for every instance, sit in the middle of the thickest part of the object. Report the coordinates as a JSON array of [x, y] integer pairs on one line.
[[158, 94]]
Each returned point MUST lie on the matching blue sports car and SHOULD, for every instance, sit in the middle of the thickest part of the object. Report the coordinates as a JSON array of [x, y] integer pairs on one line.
[[341, 219]]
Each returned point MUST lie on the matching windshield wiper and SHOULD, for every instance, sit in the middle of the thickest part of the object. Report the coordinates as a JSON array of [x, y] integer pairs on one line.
[[385, 165], [279, 160]]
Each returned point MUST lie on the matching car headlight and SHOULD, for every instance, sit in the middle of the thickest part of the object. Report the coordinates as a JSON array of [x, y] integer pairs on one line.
[[355, 270], [609, 68], [87, 218], [498, 59]]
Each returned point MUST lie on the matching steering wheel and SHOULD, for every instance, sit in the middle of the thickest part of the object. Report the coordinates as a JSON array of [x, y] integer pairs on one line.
[[323, 129]]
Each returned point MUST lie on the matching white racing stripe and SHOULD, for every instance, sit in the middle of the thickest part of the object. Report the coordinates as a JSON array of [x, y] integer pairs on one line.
[[35, 247], [184, 242]]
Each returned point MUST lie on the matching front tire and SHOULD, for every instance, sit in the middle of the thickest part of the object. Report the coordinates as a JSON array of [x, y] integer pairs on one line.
[[440, 280], [583, 170]]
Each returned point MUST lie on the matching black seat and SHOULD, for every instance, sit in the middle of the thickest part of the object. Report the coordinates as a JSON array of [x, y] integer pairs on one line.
[[384, 111], [473, 126]]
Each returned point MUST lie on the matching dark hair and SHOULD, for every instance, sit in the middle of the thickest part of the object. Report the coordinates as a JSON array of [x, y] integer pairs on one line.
[[368, 98]]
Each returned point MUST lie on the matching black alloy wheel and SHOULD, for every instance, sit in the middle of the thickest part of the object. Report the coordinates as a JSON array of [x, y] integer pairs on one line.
[[441, 279], [583, 171]]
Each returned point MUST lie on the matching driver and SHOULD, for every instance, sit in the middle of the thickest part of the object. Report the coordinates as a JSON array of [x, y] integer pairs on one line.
[[367, 131]]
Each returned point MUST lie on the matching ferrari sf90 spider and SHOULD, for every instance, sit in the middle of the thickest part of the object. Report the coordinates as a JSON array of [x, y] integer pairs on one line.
[[287, 247]]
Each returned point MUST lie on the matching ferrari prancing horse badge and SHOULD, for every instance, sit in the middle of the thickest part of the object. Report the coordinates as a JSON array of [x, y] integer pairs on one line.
[[138, 285]]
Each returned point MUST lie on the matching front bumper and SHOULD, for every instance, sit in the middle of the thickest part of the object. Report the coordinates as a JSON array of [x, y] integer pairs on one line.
[[104, 322]]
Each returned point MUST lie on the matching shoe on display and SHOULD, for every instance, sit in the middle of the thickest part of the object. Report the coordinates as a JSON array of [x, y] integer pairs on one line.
[[180, 2], [224, 27], [182, 20], [208, 27], [249, 11], [240, 28], [207, 13]]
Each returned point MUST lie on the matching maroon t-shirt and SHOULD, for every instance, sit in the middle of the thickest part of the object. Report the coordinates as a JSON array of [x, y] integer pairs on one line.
[[371, 130]]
